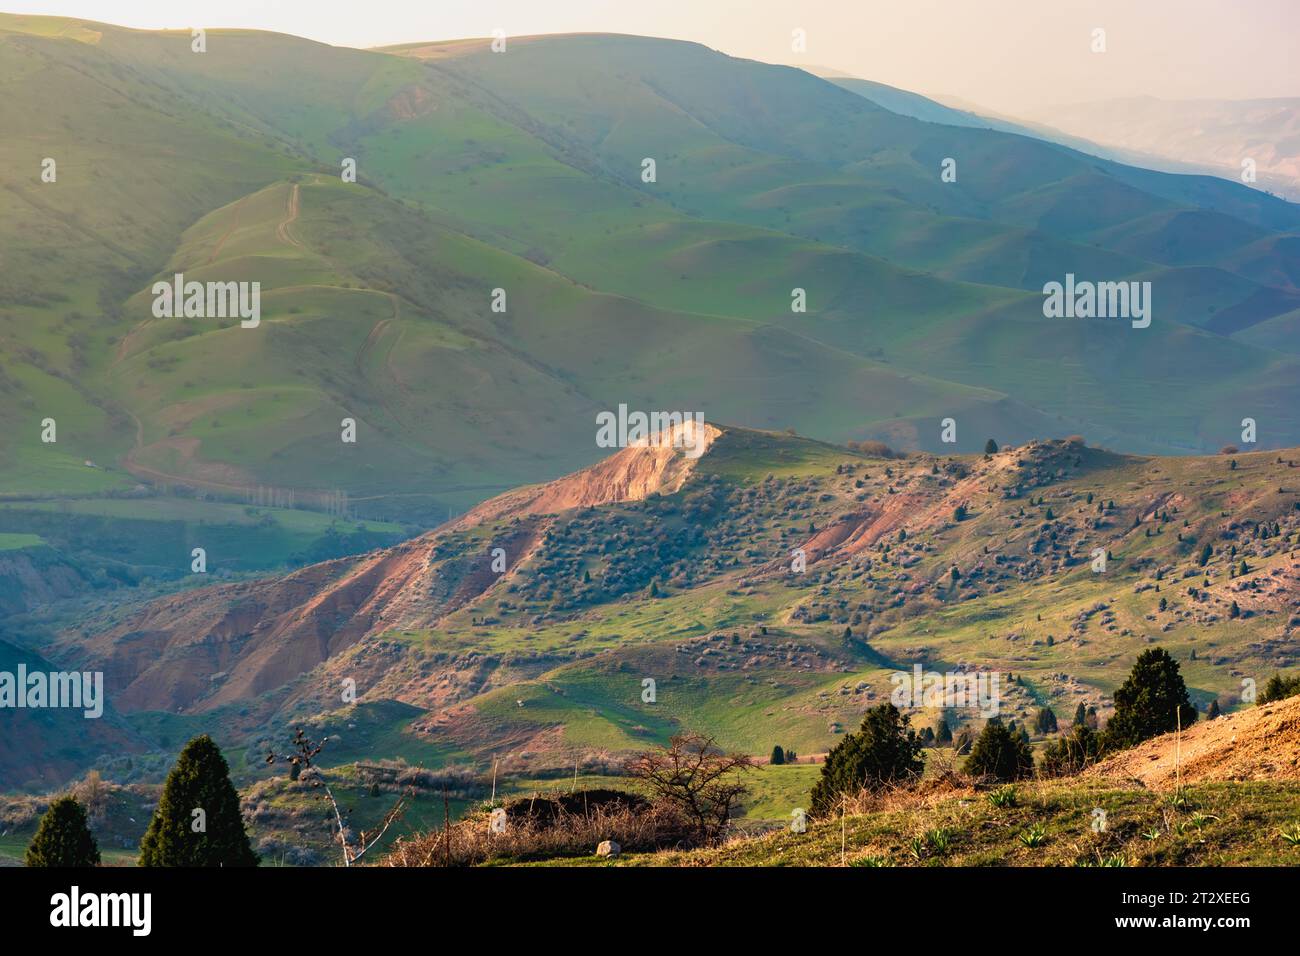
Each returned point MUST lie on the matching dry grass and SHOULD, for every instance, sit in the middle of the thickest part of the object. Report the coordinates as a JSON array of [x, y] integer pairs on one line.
[[471, 841], [1259, 743]]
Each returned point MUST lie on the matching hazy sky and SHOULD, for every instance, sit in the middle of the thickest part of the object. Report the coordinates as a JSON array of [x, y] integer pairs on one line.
[[1002, 54]]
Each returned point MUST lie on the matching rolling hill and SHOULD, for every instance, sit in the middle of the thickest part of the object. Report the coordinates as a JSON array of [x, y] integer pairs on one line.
[[923, 295], [503, 270], [654, 565]]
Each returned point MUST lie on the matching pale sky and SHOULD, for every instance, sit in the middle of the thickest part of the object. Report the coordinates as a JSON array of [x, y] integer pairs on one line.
[[1005, 55]]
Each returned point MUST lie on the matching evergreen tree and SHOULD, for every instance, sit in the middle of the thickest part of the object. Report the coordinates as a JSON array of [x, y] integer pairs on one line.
[[883, 751], [1279, 688], [1213, 712], [1045, 721], [1206, 553], [778, 756], [1000, 752], [942, 732], [990, 447], [177, 836], [1152, 701], [63, 837], [1080, 714]]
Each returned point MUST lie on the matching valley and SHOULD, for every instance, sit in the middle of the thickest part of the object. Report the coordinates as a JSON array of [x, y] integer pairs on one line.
[[383, 394]]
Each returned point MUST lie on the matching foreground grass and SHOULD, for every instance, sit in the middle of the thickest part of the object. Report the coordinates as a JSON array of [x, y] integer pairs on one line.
[[1050, 824]]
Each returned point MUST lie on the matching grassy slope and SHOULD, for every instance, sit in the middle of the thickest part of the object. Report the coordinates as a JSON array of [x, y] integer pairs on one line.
[[522, 165], [577, 671], [1221, 824]]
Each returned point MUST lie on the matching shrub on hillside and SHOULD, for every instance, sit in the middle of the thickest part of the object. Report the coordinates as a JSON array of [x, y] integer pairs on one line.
[[876, 449], [1000, 752], [694, 780], [1279, 688], [1071, 752], [884, 751], [566, 828]]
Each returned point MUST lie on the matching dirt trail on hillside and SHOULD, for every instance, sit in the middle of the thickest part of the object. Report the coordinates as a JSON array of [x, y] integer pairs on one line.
[[1260, 743], [291, 214]]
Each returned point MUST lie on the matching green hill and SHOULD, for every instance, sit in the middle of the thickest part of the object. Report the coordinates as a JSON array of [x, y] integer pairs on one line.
[[474, 175]]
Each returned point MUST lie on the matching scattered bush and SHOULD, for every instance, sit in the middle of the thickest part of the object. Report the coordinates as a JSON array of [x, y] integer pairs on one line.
[[1279, 688], [1000, 753], [694, 780], [1072, 752]]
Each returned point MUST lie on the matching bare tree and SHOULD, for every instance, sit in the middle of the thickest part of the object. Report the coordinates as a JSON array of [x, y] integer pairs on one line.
[[696, 779], [304, 751]]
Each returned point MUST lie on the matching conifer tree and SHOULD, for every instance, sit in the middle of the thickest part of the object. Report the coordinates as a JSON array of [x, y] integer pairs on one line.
[[1152, 701], [1000, 752], [1045, 721], [883, 751], [213, 836], [63, 837], [942, 732]]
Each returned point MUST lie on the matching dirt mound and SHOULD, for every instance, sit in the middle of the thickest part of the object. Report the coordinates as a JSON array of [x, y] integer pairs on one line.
[[1262, 743]]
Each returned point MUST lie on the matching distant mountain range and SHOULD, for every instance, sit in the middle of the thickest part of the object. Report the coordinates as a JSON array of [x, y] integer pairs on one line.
[[1190, 137]]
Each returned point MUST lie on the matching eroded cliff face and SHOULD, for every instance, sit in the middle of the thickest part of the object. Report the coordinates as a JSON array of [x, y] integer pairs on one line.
[[30, 577], [216, 645]]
